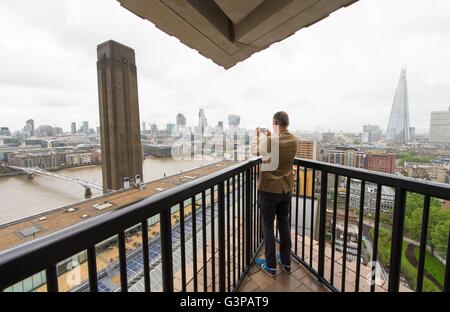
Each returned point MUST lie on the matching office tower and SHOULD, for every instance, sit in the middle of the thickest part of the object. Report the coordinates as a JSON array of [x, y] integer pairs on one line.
[[202, 121], [4, 131], [85, 127], [307, 149], [440, 127], [153, 128], [398, 127], [73, 127], [119, 114], [371, 134], [181, 123], [144, 126], [234, 121], [181, 120], [45, 131], [29, 127], [219, 128], [170, 127]]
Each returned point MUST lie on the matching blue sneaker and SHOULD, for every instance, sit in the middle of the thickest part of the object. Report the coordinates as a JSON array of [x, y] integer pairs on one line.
[[286, 268], [262, 264]]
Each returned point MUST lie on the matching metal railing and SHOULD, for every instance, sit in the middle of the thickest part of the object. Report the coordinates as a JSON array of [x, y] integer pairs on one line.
[[223, 206], [232, 196], [325, 180]]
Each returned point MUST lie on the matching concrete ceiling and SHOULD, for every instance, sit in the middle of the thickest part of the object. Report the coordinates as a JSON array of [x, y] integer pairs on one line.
[[237, 10], [230, 31]]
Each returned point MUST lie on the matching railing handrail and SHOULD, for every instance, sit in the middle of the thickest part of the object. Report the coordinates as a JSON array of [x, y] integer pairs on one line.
[[434, 189], [33, 256]]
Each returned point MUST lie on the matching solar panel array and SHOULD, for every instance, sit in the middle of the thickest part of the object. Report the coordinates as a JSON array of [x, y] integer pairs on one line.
[[135, 264]]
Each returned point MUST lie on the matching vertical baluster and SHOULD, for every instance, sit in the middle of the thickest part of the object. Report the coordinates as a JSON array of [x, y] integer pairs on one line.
[[233, 215], [239, 222], [259, 211], [123, 262], [213, 243], [423, 242], [228, 236], [204, 251], [248, 220], [51, 275], [183, 247], [375, 237], [92, 268], [221, 235], [397, 240], [255, 212], [166, 250], [333, 227], [311, 227], [297, 187], [304, 212], [194, 243], [145, 255], [360, 233], [252, 216], [243, 195], [322, 222], [344, 255]]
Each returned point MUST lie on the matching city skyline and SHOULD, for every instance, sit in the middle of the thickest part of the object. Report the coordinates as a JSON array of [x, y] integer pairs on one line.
[[69, 86]]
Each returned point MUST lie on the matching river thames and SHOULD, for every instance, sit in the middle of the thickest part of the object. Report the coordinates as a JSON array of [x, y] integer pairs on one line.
[[21, 197]]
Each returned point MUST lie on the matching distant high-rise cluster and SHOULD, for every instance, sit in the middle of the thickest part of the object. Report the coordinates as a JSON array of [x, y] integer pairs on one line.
[[398, 130]]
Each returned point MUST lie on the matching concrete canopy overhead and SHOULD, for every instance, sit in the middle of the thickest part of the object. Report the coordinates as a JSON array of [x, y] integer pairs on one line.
[[230, 31]]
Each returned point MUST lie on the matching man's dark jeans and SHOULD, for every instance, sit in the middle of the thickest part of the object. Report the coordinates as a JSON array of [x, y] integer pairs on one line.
[[272, 204]]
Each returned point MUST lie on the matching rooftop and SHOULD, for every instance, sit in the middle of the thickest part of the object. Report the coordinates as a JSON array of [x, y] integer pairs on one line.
[[54, 220]]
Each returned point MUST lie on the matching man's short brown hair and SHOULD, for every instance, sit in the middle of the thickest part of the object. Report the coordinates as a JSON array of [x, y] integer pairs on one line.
[[281, 119]]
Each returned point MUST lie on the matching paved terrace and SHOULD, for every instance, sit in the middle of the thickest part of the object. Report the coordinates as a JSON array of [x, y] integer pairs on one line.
[[302, 280], [60, 218]]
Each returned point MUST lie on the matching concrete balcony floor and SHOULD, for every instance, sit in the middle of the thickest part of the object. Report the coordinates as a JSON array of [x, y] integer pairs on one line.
[[300, 280]]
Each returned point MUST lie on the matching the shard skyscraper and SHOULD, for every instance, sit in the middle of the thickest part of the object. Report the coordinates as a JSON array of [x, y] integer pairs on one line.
[[398, 127]]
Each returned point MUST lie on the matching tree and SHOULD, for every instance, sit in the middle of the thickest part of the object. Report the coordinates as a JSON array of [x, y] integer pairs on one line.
[[413, 224], [414, 214], [439, 236]]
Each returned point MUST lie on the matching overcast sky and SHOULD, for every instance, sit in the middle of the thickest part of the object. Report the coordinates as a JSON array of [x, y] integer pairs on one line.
[[338, 74]]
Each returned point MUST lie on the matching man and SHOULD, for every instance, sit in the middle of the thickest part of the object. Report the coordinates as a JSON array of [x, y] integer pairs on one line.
[[274, 190]]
